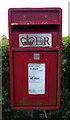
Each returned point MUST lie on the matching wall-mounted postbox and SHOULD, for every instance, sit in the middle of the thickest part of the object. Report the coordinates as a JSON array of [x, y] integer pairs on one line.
[[35, 57]]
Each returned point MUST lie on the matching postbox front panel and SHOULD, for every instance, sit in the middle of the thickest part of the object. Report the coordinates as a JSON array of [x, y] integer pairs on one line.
[[35, 78]]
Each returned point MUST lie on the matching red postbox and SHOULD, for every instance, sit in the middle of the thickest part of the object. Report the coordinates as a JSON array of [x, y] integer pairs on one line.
[[35, 41]]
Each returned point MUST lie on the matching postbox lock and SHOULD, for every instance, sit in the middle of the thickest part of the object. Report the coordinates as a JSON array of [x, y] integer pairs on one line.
[[36, 56]]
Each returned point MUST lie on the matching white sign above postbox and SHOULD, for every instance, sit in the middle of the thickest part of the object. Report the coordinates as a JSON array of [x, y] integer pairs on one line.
[[35, 40]]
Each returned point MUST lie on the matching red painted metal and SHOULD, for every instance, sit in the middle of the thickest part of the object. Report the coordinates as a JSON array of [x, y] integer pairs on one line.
[[35, 21]]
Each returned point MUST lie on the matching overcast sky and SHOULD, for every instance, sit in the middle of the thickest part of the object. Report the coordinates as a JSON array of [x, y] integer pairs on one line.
[[6, 4]]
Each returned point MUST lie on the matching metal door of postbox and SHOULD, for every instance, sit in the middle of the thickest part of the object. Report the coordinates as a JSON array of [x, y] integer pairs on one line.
[[43, 91]]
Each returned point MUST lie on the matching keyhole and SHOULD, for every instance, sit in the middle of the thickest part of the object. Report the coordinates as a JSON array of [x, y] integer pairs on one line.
[[21, 81]]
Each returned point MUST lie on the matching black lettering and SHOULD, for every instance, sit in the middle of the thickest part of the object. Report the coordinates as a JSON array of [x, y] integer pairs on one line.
[[46, 40]]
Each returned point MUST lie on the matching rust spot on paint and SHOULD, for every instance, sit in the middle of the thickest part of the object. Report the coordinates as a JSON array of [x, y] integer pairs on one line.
[[14, 23]]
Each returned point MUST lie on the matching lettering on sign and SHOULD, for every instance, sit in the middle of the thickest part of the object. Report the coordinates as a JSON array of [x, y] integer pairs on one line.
[[35, 40], [36, 78]]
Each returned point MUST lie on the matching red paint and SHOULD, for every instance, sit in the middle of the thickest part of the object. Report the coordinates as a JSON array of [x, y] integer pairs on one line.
[[35, 21]]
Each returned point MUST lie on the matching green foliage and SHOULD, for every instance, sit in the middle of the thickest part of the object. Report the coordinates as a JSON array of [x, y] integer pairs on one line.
[[64, 112], [5, 59], [66, 79], [3, 41], [66, 62]]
